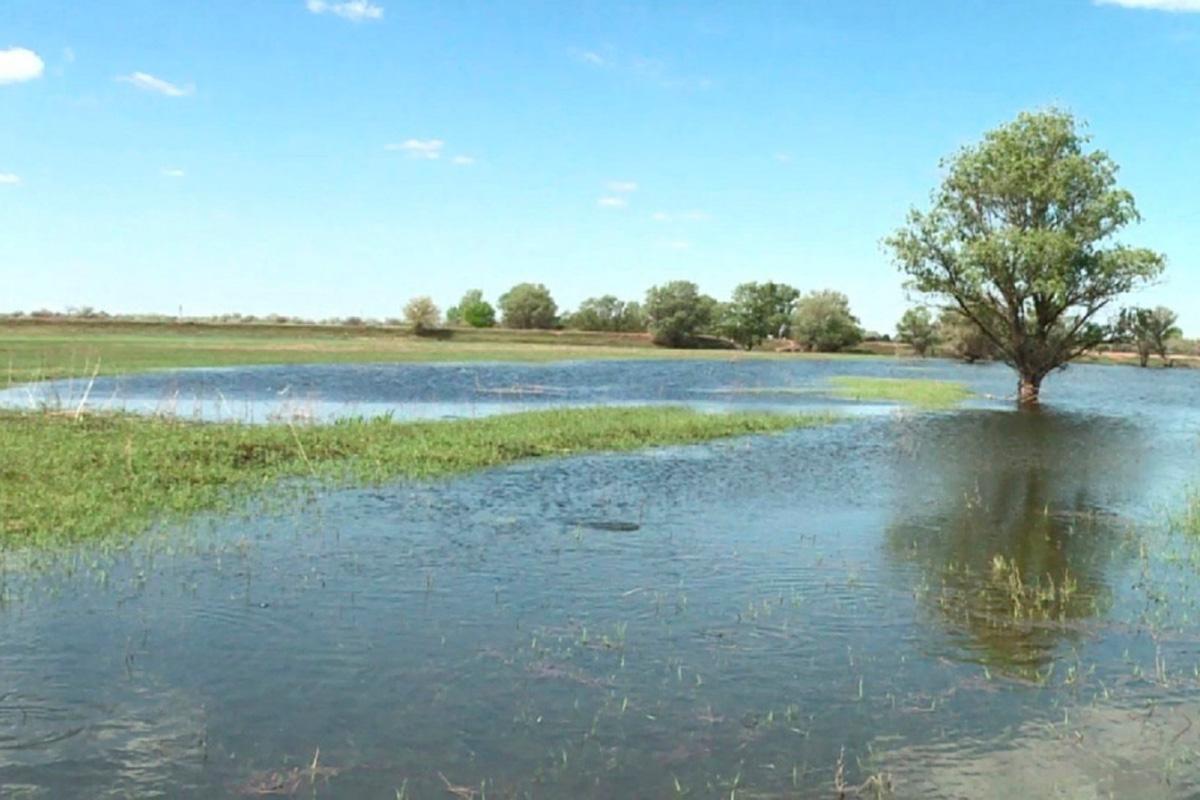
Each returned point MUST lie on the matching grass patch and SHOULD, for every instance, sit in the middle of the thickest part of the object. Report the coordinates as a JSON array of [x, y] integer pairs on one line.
[[64, 479], [928, 394]]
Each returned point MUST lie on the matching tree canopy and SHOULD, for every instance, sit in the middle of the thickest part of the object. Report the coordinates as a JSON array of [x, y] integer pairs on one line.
[[608, 313], [916, 329], [1150, 329], [822, 322], [1019, 239], [758, 311], [421, 314], [528, 305], [677, 312], [472, 310]]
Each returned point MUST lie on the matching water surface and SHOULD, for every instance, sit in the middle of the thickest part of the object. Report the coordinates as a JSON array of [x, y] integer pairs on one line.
[[964, 604]]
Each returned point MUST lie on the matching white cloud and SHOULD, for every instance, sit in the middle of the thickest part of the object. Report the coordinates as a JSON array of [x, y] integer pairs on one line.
[[680, 216], [783, 158], [18, 64], [589, 57], [148, 83], [612, 201], [173, 172], [419, 148], [8, 179], [69, 55], [463, 161], [622, 187], [677, 244], [353, 10], [1154, 5]]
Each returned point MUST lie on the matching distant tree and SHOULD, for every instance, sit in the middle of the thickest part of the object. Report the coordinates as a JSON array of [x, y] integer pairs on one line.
[[963, 338], [528, 305], [758, 311], [677, 313], [421, 314], [1149, 329], [1020, 240], [822, 322], [472, 310], [607, 313], [917, 330]]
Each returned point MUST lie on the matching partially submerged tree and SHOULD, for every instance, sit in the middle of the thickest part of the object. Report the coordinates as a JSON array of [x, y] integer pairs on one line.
[[822, 322], [758, 311], [472, 310], [677, 313], [421, 314], [916, 329], [1149, 329], [1019, 239], [528, 305]]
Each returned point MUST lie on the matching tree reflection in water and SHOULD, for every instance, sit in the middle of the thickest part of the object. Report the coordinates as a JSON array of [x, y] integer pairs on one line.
[[1008, 520]]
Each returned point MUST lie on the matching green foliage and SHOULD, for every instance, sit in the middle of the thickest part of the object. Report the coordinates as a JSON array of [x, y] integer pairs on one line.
[[963, 338], [1020, 240], [422, 314], [1149, 329], [822, 322], [916, 329], [926, 394], [677, 313], [472, 310], [528, 305], [608, 313], [758, 311], [65, 479]]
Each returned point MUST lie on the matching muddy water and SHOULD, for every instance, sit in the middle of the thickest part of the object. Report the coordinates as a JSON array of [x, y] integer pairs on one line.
[[964, 604]]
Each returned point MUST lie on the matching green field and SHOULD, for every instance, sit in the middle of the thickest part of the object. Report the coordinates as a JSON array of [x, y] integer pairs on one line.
[[37, 350], [64, 478]]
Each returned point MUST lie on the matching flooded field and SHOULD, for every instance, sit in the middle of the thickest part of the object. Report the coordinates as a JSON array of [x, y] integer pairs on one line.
[[972, 603]]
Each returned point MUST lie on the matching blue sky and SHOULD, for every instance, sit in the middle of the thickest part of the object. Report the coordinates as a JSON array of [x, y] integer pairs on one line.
[[334, 157]]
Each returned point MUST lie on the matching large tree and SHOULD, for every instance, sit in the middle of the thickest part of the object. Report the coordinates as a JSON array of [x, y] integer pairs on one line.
[[757, 311], [677, 313], [822, 322], [528, 305], [1150, 329], [1020, 240], [421, 314]]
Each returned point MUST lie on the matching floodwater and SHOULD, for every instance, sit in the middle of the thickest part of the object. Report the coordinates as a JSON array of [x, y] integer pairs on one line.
[[979, 603]]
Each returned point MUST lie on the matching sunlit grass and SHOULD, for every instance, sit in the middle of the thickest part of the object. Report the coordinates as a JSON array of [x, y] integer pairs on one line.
[[63, 478], [927, 394]]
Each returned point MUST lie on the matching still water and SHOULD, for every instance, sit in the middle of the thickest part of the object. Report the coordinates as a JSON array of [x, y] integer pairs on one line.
[[966, 604]]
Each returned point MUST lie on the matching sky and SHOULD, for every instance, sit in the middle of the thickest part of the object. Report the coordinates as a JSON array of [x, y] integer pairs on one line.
[[329, 158]]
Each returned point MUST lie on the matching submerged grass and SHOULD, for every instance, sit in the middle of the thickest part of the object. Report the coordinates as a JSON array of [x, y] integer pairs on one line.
[[64, 478], [928, 394]]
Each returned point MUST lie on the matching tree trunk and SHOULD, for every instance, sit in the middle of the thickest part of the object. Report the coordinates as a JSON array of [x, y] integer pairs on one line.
[[1028, 389]]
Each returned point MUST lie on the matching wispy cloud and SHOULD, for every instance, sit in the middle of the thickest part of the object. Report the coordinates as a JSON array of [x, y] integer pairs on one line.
[[1155, 5], [650, 70], [680, 216], [612, 201], [783, 158], [622, 187], [173, 172], [18, 64], [678, 245], [353, 10], [148, 83], [8, 179], [463, 161], [430, 149]]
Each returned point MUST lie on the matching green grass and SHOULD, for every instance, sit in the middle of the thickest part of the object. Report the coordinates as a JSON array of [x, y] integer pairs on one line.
[[38, 350], [927, 394], [65, 479]]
